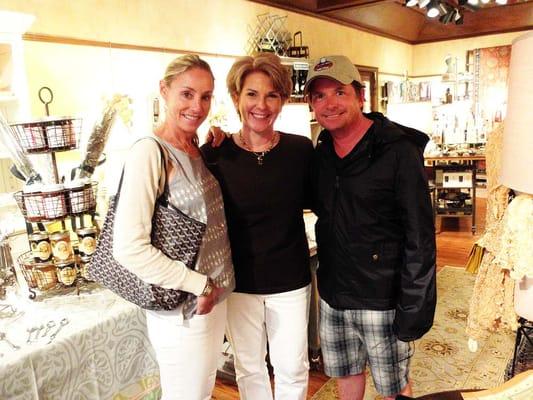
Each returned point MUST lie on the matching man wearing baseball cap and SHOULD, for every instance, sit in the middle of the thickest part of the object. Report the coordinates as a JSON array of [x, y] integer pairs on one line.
[[375, 235]]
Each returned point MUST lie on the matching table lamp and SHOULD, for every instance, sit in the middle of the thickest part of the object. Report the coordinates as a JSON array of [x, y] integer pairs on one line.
[[517, 160]]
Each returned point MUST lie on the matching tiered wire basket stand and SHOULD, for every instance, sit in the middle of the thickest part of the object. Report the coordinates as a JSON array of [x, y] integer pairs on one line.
[[57, 261]]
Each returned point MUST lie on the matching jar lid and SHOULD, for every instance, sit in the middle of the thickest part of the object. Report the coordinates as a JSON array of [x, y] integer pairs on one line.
[[77, 183], [53, 187], [38, 236], [59, 234], [34, 188], [65, 263], [86, 231], [43, 265]]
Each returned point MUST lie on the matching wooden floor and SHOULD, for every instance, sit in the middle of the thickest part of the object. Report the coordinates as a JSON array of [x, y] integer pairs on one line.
[[454, 241]]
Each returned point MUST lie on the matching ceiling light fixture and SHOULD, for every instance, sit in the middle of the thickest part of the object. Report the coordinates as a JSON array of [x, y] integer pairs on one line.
[[433, 9], [444, 8], [449, 16], [459, 18], [449, 11]]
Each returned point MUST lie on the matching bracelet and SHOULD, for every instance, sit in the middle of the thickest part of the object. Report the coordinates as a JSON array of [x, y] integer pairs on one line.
[[208, 288]]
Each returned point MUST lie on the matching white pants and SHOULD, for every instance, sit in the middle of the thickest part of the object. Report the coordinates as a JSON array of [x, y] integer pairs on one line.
[[281, 319], [187, 352]]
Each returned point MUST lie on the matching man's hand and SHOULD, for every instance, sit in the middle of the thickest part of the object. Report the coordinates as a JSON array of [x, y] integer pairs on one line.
[[206, 303], [216, 136]]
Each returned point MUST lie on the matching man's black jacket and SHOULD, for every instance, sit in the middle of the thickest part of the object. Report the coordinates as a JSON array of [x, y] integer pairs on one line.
[[375, 231]]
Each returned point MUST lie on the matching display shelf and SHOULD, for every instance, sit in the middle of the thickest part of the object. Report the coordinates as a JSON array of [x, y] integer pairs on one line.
[[454, 192]]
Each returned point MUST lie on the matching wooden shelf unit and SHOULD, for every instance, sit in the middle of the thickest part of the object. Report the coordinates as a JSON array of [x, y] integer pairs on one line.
[[454, 199]]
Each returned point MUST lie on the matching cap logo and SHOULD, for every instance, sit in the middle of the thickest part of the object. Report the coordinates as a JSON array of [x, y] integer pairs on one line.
[[323, 64]]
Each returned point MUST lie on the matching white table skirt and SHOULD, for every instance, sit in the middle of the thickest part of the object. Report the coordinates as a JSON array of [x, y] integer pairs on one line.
[[102, 353]]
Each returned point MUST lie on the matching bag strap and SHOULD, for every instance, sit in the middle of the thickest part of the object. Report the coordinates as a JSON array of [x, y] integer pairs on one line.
[[164, 195]]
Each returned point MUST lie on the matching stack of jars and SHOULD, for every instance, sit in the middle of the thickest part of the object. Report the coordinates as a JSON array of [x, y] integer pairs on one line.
[[53, 258]]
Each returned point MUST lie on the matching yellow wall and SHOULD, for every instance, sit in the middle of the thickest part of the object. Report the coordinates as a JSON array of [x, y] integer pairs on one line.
[[428, 59], [214, 26]]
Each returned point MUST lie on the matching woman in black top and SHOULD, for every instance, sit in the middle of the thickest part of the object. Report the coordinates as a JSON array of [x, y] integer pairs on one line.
[[265, 176]]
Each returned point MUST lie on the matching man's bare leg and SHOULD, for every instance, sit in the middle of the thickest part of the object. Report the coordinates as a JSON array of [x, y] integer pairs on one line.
[[352, 387]]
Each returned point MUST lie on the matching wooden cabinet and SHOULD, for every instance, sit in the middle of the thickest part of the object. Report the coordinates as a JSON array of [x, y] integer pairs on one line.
[[455, 192], [453, 184]]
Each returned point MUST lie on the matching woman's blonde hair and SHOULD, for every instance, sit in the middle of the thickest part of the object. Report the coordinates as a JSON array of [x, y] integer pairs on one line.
[[267, 63], [183, 63]]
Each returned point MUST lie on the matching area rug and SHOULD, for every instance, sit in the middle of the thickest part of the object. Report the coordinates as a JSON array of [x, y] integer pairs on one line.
[[441, 360]]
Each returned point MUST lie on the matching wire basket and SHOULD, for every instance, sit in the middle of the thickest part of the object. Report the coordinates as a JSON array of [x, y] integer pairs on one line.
[[58, 134], [81, 199], [30, 205], [53, 277], [53, 205], [41, 276]]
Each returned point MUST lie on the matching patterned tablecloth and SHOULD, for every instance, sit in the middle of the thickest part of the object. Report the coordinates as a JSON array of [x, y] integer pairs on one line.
[[102, 352]]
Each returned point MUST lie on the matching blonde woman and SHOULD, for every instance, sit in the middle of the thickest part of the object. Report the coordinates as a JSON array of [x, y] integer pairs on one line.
[[264, 176], [187, 340]]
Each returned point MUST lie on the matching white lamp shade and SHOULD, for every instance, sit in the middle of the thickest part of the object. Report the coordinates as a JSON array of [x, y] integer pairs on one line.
[[523, 298], [517, 152]]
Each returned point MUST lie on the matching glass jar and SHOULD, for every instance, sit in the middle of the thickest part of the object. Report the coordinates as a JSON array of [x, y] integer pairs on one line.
[[66, 271], [61, 245], [54, 135], [87, 241], [54, 202], [33, 202], [28, 272], [33, 138], [81, 196], [40, 246], [82, 267], [69, 133], [45, 275], [60, 135]]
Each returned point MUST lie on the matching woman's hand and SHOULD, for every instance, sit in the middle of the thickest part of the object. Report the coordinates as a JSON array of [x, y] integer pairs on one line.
[[216, 136], [206, 303]]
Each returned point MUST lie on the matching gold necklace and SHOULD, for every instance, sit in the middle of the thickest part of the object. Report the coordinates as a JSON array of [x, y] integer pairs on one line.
[[260, 155]]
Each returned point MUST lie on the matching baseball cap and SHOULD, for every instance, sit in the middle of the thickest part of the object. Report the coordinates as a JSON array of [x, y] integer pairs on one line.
[[339, 68]]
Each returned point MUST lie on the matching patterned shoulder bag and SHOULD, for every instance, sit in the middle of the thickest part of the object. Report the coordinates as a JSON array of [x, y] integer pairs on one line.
[[176, 234]]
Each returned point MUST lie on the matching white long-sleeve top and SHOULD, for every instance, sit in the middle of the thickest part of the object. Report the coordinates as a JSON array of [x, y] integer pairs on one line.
[[193, 190]]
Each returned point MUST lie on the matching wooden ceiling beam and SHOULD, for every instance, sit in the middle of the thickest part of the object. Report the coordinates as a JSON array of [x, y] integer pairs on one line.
[[332, 5], [389, 18]]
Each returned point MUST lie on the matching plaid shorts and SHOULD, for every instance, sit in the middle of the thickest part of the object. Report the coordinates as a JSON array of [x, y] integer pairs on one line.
[[350, 338]]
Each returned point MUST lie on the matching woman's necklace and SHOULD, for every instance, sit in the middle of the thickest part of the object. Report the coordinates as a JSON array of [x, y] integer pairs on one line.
[[260, 155]]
